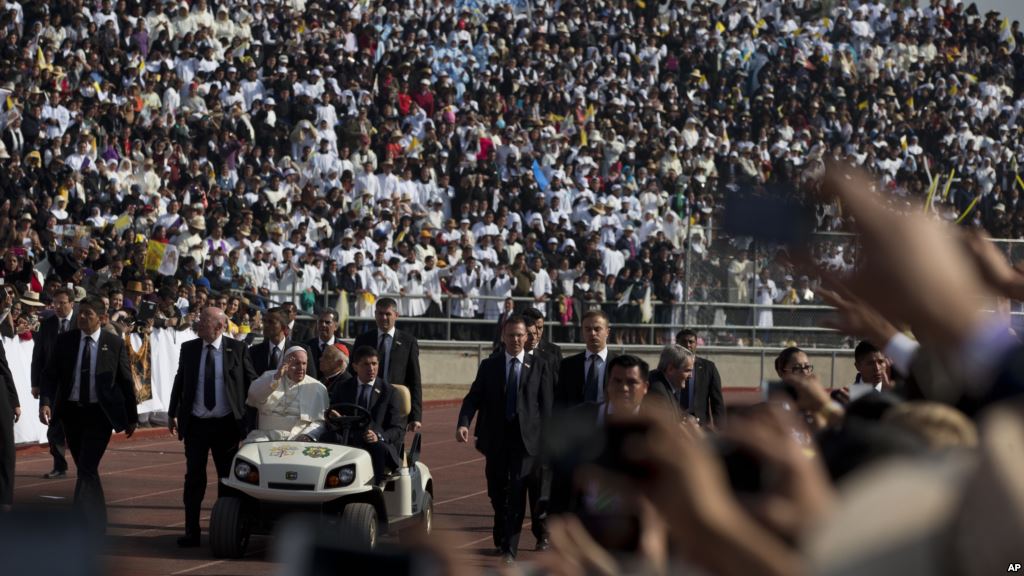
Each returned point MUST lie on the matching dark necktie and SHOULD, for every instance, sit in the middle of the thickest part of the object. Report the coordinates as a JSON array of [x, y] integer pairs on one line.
[[84, 393], [382, 351], [63, 326], [275, 357], [590, 393], [364, 395], [210, 379], [511, 390]]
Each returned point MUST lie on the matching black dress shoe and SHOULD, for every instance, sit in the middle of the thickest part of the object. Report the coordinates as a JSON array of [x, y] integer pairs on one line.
[[188, 541], [54, 474], [508, 559], [543, 544]]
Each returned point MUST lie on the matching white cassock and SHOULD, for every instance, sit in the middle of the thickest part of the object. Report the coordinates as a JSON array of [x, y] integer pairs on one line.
[[287, 409]]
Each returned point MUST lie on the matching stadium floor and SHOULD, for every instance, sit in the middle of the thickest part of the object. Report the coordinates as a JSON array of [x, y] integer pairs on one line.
[[143, 480]]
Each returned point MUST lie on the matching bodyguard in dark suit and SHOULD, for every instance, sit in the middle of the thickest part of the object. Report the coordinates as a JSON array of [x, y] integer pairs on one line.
[[708, 404], [509, 308], [625, 393], [10, 412], [267, 355], [88, 386], [671, 382], [62, 321], [326, 327], [581, 376], [550, 348], [399, 354], [512, 400], [384, 436], [299, 331], [207, 408]]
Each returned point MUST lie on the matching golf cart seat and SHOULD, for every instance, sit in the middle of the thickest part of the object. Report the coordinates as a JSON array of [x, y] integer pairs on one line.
[[411, 456], [404, 408]]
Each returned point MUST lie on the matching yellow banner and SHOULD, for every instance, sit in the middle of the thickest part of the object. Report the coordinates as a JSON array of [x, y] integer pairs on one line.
[[154, 255]]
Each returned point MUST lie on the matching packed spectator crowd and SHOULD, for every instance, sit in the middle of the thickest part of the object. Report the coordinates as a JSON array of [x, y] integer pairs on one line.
[[580, 149], [576, 154]]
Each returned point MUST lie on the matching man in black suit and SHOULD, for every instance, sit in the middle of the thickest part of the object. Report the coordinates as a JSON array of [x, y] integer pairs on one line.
[[299, 331], [384, 436], [13, 137], [670, 383], [61, 321], [708, 405], [88, 386], [267, 355], [10, 412], [581, 376], [326, 327], [399, 354], [625, 391], [512, 400], [539, 486], [207, 408], [508, 309], [550, 348]]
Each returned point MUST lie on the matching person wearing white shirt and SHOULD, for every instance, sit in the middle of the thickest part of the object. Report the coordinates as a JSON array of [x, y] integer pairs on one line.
[[764, 294], [542, 286]]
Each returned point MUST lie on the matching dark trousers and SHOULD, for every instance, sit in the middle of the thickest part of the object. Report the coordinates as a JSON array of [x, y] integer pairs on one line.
[[203, 436], [58, 444], [6, 454], [538, 491], [88, 432], [509, 472]]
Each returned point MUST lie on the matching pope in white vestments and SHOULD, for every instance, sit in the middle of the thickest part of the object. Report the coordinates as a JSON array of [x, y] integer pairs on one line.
[[291, 404]]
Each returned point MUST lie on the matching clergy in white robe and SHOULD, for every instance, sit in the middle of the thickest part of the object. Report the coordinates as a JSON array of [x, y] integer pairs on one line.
[[291, 404]]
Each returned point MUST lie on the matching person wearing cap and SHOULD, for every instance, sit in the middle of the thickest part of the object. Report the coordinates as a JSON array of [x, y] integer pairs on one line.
[[333, 370]]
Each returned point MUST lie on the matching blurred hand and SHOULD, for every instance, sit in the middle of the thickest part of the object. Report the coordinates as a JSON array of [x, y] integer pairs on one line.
[[906, 255], [462, 434], [994, 267], [17, 413], [414, 426], [44, 415], [172, 425], [799, 494], [856, 318], [35, 392], [129, 431], [371, 437]]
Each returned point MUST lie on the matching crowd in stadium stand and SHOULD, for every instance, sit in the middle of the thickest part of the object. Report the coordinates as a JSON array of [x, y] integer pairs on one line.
[[574, 153], [579, 155]]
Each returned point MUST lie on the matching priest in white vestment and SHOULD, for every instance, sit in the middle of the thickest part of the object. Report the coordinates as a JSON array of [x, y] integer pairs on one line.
[[291, 404]]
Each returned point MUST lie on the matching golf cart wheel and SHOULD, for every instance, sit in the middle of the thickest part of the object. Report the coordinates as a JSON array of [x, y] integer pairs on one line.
[[426, 525], [358, 526], [229, 534]]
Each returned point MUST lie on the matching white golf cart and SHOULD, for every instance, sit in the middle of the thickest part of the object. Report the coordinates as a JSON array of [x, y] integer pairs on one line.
[[270, 480]]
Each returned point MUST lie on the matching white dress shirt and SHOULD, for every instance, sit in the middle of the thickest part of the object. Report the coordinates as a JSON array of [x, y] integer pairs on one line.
[[221, 408], [76, 390]]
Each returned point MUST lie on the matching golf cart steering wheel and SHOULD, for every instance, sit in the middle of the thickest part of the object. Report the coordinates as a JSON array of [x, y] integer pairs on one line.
[[350, 416]]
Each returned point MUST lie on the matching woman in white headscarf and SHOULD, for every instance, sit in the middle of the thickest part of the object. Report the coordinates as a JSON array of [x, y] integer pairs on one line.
[[291, 404]]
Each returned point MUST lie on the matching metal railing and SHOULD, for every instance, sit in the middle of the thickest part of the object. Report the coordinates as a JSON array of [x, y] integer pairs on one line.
[[718, 302]]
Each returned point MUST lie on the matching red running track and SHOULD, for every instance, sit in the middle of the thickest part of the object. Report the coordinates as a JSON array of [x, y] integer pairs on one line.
[[143, 479]]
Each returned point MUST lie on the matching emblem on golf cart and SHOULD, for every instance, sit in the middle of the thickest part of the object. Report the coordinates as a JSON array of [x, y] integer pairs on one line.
[[289, 475], [317, 452], [283, 451]]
